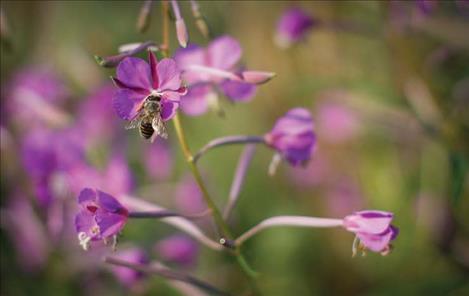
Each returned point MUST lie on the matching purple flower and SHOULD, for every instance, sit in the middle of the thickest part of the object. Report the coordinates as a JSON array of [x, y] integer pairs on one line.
[[293, 136], [127, 276], [101, 217], [96, 118], [179, 249], [47, 155], [140, 82], [373, 230], [215, 65], [293, 26]]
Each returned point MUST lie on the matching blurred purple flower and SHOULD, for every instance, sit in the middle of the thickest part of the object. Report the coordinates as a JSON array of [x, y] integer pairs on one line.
[[46, 155], [293, 26], [344, 197], [34, 95], [158, 159], [101, 217], [293, 136], [96, 118], [178, 249], [373, 230], [336, 123], [127, 276], [137, 80], [315, 173], [26, 232], [215, 65]]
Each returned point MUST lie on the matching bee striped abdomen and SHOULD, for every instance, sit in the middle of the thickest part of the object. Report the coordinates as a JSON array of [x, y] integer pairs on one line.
[[146, 130]]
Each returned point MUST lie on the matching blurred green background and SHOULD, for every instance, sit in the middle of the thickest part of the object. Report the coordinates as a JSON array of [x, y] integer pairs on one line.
[[386, 73]]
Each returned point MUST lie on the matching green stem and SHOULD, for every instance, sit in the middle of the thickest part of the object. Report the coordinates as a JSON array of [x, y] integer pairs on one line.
[[220, 222]]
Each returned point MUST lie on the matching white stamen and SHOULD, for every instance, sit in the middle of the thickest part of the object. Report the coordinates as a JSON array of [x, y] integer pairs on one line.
[[84, 240], [274, 164]]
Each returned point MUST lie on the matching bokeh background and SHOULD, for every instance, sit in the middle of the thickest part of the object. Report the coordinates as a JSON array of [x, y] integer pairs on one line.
[[387, 83]]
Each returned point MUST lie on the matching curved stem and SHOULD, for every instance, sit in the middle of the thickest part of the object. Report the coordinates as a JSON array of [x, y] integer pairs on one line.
[[182, 224], [230, 140], [238, 179], [298, 221]]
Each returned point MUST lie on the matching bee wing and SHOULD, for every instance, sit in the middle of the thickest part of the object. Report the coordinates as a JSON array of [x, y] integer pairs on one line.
[[134, 123], [159, 127]]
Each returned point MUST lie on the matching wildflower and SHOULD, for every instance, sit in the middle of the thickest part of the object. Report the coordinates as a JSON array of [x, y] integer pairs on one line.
[[293, 26], [293, 136], [181, 30], [179, 249], [373, 230], [101, 217], [140, 83], [204, 68]]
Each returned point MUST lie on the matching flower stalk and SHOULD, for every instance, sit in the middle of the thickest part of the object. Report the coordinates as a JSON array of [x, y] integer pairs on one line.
[[229, 140]]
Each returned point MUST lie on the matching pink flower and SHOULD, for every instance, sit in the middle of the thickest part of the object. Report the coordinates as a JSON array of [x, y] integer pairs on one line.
[[293, 136], [179, 249], [373, 230], [140, 82], [101, 217], [293, 26], [205, 68]]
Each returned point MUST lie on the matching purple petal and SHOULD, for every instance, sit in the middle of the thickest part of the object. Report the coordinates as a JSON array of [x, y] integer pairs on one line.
[[238, 91], [196, 101], [371, 222], [109, 224], [224, 52], [127, 103], [168, 75], [84, 222], [168, 110], [154, 73], [128, 276], [192, 55], [108, 203], [375, 242], [134, 72], [293, 26], [86, 195]]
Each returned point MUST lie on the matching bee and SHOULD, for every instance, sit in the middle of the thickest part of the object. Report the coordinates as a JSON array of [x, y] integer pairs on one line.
[[148, 120]]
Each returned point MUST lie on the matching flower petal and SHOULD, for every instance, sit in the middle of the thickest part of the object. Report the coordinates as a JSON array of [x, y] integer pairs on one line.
[[238, 91], [195, 102], [86, 195], [224, 52], [84, 222], [376, 242], [135, 73], [168, 75], [372, 222], [109, 203], [154, 74], [127, 103], [168, 109], [110, 224]]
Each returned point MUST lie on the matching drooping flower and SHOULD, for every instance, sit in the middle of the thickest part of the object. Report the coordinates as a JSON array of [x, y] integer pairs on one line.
[[178, 249], [127, 276], [293, 136], [101, 217], [373, 230], [293, 26], [215, 65], [140, 82]]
